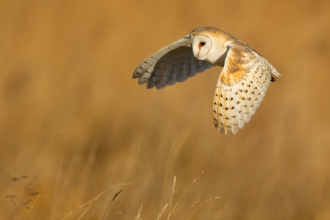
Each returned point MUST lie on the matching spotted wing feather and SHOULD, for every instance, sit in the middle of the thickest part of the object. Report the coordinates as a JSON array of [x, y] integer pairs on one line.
[[241, 88], [173, 63]]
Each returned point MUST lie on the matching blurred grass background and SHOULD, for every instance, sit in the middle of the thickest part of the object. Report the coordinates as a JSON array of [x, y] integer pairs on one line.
[[75, 129]]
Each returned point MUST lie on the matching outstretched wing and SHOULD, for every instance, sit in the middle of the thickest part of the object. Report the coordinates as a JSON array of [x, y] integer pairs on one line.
[[171, 64], [241, 88]]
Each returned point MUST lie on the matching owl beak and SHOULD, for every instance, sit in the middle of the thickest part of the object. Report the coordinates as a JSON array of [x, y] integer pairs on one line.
[[197, 54]]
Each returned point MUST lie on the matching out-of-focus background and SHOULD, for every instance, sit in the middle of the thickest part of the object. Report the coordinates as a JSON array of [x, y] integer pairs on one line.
[[76, 130]]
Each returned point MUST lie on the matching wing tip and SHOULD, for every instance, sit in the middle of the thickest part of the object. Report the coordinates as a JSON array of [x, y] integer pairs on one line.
[[229, 131], [135, 75]]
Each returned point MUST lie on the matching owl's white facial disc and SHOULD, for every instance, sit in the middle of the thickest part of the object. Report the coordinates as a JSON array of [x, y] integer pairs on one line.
[[201, 46]]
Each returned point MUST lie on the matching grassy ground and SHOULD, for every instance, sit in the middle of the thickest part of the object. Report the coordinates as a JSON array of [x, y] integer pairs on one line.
[[76, 130]]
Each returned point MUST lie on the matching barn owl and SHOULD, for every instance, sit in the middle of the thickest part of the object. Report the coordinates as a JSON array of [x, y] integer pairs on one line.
[[242, 83]]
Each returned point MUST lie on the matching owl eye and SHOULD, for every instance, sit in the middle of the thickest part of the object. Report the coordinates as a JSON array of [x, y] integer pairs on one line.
[[201, 44]]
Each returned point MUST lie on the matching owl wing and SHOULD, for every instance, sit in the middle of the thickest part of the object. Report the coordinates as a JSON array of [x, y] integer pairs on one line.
[[171, 64], [241, 88]]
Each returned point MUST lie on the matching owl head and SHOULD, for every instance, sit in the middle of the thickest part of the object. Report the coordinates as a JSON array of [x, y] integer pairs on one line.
[[209, 44]]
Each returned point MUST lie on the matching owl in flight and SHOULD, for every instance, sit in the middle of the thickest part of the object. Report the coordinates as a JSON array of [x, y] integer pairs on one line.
[[242, 83]]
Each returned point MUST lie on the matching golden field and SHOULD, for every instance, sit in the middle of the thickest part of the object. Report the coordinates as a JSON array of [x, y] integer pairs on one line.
[[75, 129]]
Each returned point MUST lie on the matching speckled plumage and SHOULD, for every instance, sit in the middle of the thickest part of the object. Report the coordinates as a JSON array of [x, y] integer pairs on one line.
[[242, 83]]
